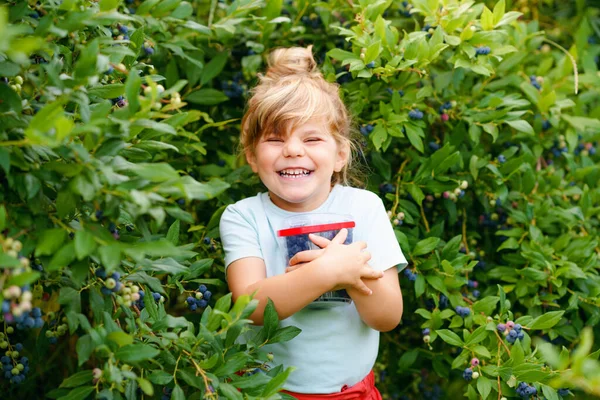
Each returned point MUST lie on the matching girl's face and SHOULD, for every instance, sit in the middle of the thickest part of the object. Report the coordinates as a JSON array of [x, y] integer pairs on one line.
[[297, 168]]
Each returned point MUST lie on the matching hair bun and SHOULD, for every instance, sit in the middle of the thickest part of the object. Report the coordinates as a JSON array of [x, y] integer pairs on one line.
[[289, 61]]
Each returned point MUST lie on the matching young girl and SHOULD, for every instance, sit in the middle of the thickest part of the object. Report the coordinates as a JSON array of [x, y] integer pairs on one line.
[[296, 137]]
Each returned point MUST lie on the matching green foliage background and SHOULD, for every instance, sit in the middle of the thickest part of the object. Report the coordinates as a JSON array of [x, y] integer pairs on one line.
[[136, 185]]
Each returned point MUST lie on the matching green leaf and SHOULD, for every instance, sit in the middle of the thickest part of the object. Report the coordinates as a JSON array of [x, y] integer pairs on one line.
[[230, 392], [5, 160], [499, 10], [173, 233], [136, 352], [177, 393], [484, 386], [450, 337], [79, 393], [156, 172], [214, 67], [50, 241], [517, 355], [547, 320], [487, 19], [425, 246], [110, 91], [110, 256], [160, 377], [206, 97], [10, 100], [84, 244], [521, 126], [85, 348], [77, 379], [63, 257], [120, 338], [285, 334], [146, 386], [71, 298], [276, 383], [416, 193]]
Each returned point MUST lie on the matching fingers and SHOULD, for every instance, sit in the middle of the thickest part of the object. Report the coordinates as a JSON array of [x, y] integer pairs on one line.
[[293, 268], [370, 273], [319, 240], [305, 256], [361, 287], [341, 236]]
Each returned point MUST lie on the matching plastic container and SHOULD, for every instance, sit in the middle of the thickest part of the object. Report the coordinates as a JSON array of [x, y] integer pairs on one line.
[[294, 239]]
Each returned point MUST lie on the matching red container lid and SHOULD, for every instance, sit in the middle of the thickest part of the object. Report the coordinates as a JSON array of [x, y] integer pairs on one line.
[[300, 230]]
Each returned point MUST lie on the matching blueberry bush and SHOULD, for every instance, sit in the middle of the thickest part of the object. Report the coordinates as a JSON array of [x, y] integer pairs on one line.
[[478, 122]]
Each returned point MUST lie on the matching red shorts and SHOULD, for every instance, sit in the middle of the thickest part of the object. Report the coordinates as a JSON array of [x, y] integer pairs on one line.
[[363, 390]]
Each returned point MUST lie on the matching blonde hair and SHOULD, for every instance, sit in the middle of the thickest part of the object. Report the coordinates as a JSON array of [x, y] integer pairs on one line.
[[292, 92]]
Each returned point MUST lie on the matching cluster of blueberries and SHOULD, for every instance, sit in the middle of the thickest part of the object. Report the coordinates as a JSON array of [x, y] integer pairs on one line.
[[112, 228], [29, 319], [473, 285], [124, 30], [589, 147], [15, 373], [232, 89], [313, 21], [534, 82], [525, 390], [446, 106], [434, 146], [148, 50], [387, 188], [391, 91], [119, 102], [415, 114], [112, 284], [166, 393], [366, 129], [428, 28], [297, 243], [546, 125], [482, 51], [463, 311], [514, 331], [410, 275], [200, 299], [407, 6]]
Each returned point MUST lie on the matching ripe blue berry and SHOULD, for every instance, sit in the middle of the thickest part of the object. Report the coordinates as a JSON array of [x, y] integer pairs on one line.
[[191, 300], [206, 240], [426, 331], [202, 289], [415, 114], [501, 327], [148, 50], [434, 146], [501, 159], [202, 303], [156, 296], [563, 392], [476, 293], [371, 64], [468, 374], [207, 295]]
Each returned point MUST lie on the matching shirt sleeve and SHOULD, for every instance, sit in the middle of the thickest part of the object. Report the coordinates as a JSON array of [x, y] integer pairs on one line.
[[381, 239], [238, 236]]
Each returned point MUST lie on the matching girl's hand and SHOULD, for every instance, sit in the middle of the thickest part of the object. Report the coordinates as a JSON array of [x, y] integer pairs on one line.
[[343, 265]]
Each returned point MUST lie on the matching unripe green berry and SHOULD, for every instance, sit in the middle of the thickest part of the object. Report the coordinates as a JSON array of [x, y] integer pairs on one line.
[[199, 295], [10, 330], [426, 338], [110, 283], [20, 367], [18, 80], [270, 357], [15, 371], [493, 203], [49, 334], [3, 344], [475, 375], [14, 354]]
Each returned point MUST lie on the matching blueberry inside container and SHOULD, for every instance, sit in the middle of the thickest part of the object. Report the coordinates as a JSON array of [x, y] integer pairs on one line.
[[295, 239]]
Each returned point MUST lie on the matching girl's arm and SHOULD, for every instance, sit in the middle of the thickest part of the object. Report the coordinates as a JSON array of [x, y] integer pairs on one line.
[[382, 309], [336, 266]]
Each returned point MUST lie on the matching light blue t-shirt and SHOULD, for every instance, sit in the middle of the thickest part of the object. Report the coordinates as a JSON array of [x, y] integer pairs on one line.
[[335, 347]]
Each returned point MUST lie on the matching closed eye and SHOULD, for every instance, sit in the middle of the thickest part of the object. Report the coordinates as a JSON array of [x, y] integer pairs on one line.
[[313, 139], [274, 139]]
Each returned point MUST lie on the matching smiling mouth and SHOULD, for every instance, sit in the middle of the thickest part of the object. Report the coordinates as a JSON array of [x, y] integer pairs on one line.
[[294, 173]]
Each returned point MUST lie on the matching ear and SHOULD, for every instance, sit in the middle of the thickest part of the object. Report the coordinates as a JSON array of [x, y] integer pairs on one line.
[[342, 156], [251, 159]]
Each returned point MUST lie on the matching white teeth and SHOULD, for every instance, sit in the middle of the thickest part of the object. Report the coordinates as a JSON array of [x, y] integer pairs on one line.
[[294, 172]]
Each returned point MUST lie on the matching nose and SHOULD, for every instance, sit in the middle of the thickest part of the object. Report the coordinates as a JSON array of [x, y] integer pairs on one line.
[[293, 147]]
